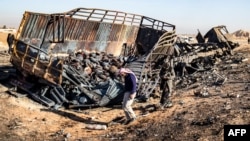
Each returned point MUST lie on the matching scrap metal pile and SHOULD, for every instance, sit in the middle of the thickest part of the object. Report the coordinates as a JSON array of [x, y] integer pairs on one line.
[[202, 56], [71, 59]]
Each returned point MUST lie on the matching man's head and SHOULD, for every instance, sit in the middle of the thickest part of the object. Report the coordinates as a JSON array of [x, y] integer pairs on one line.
[[124, 71]]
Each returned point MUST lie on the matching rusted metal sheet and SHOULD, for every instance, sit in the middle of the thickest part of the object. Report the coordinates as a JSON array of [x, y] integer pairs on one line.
[[89, 35], [90, 30], [31, 29]]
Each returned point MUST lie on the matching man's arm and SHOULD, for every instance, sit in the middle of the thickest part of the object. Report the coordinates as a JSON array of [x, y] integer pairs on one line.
[[133, 83]]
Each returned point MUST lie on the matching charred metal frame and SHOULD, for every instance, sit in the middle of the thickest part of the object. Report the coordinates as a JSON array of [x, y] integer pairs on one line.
[[41, 38], [92, 29], [41, 31], [147, 44]]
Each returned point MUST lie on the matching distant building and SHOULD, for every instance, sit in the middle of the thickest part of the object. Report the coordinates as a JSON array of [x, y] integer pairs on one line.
[[8, 30]]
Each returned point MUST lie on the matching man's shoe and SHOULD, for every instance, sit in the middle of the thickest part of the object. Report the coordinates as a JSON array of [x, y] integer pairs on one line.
[[130, 121], [168, 104]]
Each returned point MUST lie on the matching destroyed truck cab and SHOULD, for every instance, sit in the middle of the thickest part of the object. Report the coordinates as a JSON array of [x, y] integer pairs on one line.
[[65, 58], [220, 36]]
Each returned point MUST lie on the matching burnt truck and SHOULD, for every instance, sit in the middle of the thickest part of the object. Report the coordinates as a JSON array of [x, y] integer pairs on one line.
[[71, 59]]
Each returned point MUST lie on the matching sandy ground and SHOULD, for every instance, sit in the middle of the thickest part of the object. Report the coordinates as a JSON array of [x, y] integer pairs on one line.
[[3, 38], [191, 117]]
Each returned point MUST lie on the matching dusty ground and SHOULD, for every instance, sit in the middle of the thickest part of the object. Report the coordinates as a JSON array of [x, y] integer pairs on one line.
[[191, 118], [3, 38]]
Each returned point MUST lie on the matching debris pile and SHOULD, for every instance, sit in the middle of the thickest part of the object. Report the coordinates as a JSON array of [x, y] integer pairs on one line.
[[86, 75], [88, 80]]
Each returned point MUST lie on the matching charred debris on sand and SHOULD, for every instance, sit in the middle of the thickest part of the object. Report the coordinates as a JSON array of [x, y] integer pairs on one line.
[[71, 59]]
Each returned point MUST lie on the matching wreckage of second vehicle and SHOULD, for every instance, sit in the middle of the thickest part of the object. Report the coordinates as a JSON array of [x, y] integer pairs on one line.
[[70, 59]]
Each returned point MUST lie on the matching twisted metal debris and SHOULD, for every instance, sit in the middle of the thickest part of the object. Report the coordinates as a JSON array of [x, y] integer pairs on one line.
[[71, 59]]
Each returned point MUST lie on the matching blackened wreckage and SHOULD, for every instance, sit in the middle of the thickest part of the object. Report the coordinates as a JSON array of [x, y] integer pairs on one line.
[[70, 59]]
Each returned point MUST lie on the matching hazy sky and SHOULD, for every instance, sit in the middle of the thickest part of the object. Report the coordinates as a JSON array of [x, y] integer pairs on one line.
[[187, 15]]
